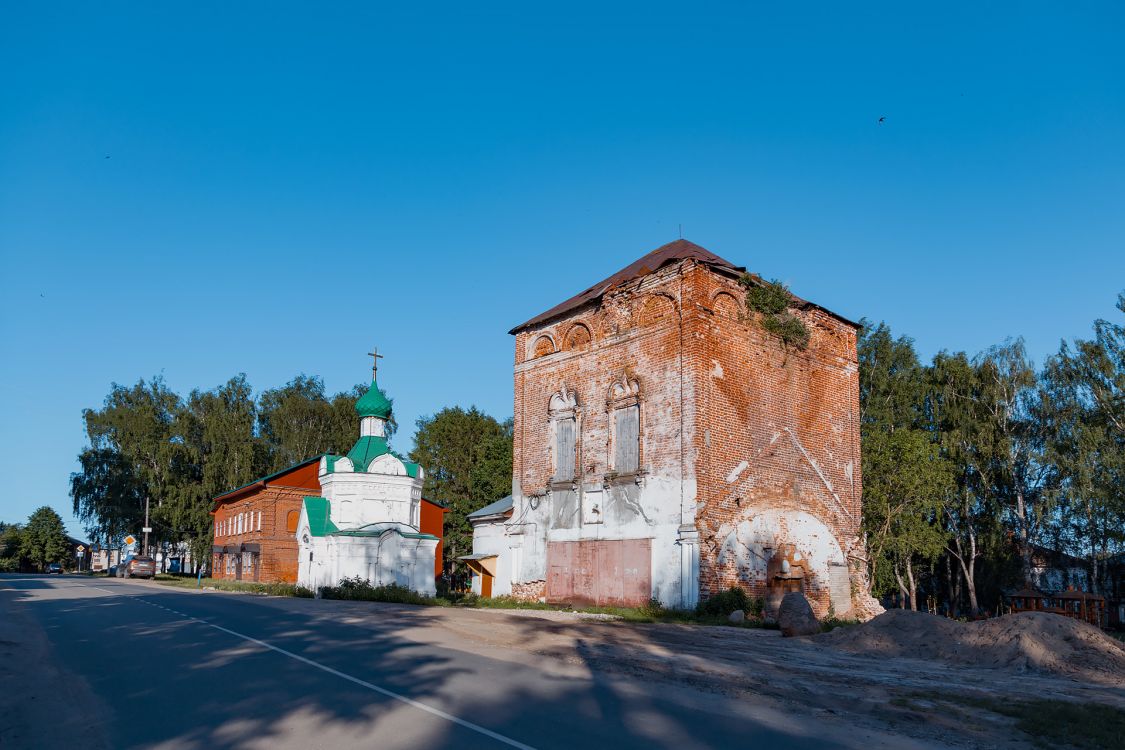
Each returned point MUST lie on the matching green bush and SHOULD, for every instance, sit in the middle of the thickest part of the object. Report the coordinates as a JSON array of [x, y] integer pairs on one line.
[[771, 300], [359, 589], [722, 604]]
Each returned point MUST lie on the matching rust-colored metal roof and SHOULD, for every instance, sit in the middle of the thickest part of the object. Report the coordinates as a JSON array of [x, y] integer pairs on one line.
[[673, 252]]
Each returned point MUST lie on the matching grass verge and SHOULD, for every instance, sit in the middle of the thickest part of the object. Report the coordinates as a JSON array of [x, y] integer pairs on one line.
[[273, 589], [711, 612]]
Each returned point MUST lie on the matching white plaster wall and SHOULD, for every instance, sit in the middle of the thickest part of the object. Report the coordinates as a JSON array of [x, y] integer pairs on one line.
[[751, 542], [490, 538], [656, 512], [383, 560], [358, 499]]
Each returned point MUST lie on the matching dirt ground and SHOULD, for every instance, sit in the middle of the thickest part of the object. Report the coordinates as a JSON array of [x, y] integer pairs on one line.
[[852, 678]]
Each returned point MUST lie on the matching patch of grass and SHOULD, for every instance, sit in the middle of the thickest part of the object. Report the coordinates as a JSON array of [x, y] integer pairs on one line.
[[1050, 723], [832, 622], [359, 589], [219, 584]]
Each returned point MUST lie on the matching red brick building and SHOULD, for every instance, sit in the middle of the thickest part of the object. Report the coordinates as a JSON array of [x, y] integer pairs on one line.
[[255, 526], [668, 446]]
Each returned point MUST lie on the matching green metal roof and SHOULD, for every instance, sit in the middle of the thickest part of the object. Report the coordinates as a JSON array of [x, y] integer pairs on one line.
[[366, 450], [380, 528], [374, 403], [316, 508]]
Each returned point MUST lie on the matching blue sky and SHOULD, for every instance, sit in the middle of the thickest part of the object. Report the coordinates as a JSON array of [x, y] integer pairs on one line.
[[197, 190]]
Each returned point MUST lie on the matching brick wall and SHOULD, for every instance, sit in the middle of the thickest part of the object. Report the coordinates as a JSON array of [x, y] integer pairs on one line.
[[278, 556], [763, 441]]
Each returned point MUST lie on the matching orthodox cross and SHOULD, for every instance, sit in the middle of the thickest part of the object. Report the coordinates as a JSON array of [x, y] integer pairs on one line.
[[376, 356]]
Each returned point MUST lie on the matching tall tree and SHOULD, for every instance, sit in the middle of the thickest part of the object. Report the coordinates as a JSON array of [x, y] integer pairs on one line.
[[905, 481], [44, 538], [109, 498], [467, 456], [12, 558], [1011, 441], [139, 425], [1085, 383], [295, 421], [220, 452]]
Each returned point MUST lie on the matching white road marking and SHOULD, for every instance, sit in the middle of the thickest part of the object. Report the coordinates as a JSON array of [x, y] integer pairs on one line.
[[343, 675]]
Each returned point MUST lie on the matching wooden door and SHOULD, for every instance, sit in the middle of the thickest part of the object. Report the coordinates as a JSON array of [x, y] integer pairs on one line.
[[486, 586]]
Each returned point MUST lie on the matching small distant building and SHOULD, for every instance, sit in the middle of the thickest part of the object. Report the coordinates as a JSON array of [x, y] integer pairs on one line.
[[491, 543], [368, 520]]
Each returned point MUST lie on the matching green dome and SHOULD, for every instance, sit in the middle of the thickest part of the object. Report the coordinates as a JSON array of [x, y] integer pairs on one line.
[[374, 403]]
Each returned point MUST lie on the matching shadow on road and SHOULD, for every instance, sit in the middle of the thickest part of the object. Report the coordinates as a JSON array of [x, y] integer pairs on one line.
[[174, 683]]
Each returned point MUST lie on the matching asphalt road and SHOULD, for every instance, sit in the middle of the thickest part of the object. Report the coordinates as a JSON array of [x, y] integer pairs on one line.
[[143, 666]]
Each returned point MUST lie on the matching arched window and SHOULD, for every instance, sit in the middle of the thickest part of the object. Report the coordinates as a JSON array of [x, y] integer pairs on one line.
[[291, 521], [655, 310], [578, 338], [542, 347], [726, 306]]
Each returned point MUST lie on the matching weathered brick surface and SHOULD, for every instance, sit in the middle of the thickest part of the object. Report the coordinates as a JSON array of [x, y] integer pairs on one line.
[[757, 436], [278, 506]]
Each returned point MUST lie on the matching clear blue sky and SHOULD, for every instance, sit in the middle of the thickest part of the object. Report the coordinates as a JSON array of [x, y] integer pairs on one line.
[[288, 185]]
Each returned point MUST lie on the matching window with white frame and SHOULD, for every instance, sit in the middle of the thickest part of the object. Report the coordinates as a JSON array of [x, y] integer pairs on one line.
[[563, 413], [624, 403]]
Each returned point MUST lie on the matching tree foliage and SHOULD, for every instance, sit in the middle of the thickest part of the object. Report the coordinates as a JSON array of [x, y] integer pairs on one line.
[[12, 558], [992, 458], [43, 539], [147, 442], [467, 456]]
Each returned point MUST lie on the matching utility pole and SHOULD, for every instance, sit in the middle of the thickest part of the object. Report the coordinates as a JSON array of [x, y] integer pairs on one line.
[[144, 550]]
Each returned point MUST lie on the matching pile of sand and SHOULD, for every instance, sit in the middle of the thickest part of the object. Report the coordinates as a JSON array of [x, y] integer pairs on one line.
[[1028, 640]]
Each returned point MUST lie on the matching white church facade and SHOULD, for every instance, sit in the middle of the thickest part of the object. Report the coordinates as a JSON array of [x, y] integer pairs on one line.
[[367, 522]]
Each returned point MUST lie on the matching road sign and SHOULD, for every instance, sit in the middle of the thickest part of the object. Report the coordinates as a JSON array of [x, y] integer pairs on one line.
[[147, 529], [81, 549], [81, 553], [130, 540]]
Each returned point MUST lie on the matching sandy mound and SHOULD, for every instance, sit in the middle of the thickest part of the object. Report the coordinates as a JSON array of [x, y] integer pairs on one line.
[[1028, 640]]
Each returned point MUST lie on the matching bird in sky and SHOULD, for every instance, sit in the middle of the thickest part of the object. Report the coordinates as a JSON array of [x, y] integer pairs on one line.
[[881, 121]]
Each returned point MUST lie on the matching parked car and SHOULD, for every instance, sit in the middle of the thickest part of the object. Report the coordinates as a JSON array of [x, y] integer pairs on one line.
[[54, 568], [140, 567]]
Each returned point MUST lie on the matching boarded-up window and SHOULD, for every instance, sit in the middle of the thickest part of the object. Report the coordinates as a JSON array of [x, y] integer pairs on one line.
[[291, 520], [626, 439], [564, 445]]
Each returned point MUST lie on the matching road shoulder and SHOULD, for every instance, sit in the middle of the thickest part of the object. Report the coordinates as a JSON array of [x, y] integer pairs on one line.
[[42, 705]]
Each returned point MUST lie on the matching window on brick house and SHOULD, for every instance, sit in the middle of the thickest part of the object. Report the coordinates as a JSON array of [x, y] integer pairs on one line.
[[259, 520], [627, 439], [563, 411], [624, 403], [564, 448]]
